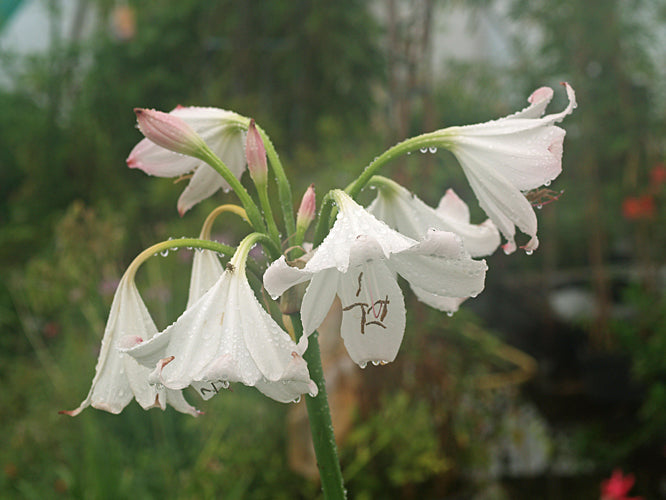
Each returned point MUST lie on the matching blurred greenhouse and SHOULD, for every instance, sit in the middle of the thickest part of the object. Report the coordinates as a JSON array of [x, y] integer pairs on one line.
[[550, 380]]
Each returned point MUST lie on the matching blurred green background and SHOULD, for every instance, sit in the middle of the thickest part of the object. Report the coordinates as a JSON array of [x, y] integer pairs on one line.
[[334, 84]]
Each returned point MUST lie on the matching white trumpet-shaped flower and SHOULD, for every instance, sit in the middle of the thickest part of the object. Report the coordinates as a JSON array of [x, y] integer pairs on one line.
[[226, 336], [407, 214], [224, 133], [506, 157], [358, 261], [118, 377]]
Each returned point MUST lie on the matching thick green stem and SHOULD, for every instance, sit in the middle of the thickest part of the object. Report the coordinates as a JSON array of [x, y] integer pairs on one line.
[[323, 225], [321, 426], [284, 188]]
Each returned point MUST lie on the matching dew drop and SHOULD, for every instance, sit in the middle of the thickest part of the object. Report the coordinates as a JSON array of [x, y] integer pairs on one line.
[[449, 314], [363, 364], [547, 183], [409, 152], [529, 252], [297, 400], [376, 363], [423, 150], [164, 253], [539, 206], [432, 149]]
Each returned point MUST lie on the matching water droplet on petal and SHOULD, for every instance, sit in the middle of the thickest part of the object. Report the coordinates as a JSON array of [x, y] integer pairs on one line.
[[539, 206], [529, 252], [297, 400], [363, 364], [547, 183], [449, 314]]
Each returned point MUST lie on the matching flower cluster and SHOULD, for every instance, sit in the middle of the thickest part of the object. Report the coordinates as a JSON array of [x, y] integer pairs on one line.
[[227, 335]]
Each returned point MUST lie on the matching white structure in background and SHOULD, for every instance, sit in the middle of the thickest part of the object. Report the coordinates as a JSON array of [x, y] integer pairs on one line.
[[35, 25]]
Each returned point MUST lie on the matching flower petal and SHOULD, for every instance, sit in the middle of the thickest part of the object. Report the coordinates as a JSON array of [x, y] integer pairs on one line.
[[206, 270], [318, 298], [439, 265], [373, 318]]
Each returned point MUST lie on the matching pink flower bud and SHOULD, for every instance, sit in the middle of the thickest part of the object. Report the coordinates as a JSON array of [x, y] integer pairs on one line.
[[306, 212], [169, 132], [255, 154]]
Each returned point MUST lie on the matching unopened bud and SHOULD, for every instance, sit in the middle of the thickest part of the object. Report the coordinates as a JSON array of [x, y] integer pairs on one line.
[[306, 212], [255, 154], [169, 132]]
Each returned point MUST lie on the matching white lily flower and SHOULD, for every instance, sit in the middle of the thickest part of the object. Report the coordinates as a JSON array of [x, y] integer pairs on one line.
[[226, 336], [224, 133], [506, 157], [407, 214], [358, 261], [118, 377]]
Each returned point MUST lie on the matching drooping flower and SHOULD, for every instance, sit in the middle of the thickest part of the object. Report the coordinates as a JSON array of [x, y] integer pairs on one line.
[[226, 336], [407, 214], [358, 261], [224, 133], [506, 157], [118, 377], [618, 486]]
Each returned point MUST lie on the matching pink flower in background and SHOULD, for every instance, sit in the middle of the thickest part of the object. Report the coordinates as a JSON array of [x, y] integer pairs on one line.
[[617, 487]]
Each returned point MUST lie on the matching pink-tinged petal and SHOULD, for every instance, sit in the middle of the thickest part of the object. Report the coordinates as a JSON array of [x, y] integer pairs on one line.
[[307, 209], [255, 153], [539, 100], [169, 131], [452, 206], [119, 378], [155, 160]]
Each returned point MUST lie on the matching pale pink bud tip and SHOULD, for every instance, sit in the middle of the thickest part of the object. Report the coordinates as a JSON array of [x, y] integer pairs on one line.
[[255, 154], [306, 212], [169, 131]]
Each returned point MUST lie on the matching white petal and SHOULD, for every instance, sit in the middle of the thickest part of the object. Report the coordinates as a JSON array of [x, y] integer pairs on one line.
[[155, 160], [373, 318], [538, 100], [318, 299], [119, 378], [442, 303], [351, 222], [280, 277], [440, 265], [452, 206], [271, 347], [203, 184], [206, 270], [505, 204]]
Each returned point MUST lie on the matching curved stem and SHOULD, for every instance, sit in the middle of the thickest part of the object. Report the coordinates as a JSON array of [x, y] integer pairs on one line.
[[253, 213], [208, 223], [284, 188], [173, 244], [430, 139], [319, 415]]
